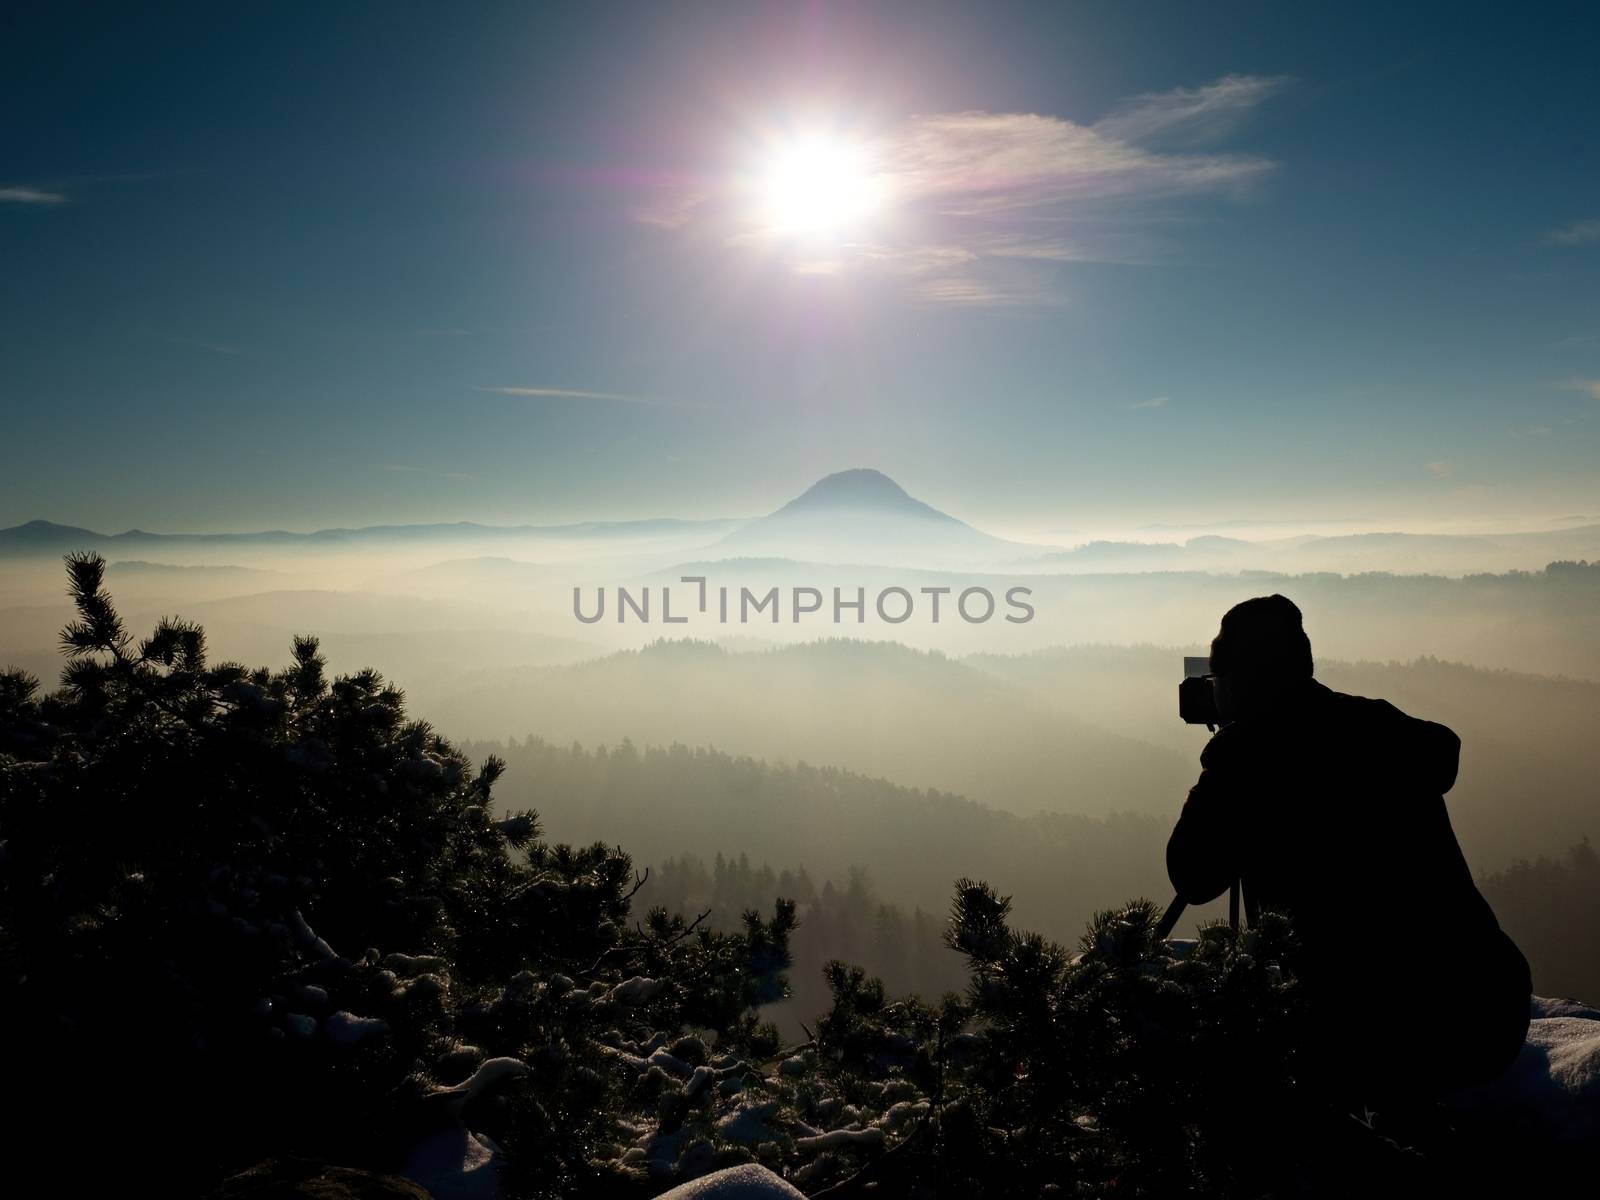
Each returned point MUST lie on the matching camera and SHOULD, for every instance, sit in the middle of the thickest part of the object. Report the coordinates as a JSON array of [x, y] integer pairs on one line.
[[1197, 701]]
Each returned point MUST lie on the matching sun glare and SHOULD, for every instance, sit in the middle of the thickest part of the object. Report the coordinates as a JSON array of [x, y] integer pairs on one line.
[[818, 185]]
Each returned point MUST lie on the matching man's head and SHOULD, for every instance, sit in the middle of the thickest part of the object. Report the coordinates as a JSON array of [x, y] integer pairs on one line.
[[1260, 655]]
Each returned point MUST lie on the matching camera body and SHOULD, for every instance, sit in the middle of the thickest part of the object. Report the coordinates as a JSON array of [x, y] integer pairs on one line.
[[1197, 699]]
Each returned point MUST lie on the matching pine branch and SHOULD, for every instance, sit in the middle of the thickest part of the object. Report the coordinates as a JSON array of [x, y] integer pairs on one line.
[[690, 928], [639, 883]]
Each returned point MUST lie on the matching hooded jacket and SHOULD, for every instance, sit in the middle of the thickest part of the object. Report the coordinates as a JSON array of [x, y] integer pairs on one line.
[[1331, 808]]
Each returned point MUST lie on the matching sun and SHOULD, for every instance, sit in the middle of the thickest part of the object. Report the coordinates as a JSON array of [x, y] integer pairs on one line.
[[817, 185]]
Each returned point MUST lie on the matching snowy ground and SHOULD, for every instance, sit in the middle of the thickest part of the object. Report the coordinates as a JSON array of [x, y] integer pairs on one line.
[[1550, 1096], [747, 1182], [1553, 1089]]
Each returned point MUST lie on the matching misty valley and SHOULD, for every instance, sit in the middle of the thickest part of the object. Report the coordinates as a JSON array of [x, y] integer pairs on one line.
[[859, 766]]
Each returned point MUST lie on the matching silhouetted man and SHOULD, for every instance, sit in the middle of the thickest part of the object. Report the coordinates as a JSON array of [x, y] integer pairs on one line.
[[1331, 808]]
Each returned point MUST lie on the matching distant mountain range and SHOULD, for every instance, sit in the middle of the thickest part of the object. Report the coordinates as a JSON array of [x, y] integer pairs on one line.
[[48, 538], [856, 515], [1345, 553], [861, 516]]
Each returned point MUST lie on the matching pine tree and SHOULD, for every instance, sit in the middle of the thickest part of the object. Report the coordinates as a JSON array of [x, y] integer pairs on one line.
[[250, 911]]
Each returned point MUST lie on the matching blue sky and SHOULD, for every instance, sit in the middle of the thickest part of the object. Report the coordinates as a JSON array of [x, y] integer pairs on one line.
[[1124, 263]]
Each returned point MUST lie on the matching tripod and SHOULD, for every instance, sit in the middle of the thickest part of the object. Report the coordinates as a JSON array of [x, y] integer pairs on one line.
[[1169, 919]]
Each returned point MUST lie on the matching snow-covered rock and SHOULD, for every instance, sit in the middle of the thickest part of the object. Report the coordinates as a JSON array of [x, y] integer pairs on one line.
[[701, 1077], [489, 1075], [696, 1159], [1544, 1006], [305, 937], [347, 1029], [744, 1182], [316, 997], [836, 1139], [455, 1164], [634, 991], [749, 1124], [661, 1152], [668, 1063], [1552, 1090]]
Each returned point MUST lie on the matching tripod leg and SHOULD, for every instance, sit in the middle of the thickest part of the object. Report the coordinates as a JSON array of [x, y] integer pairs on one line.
[[1169, 919]]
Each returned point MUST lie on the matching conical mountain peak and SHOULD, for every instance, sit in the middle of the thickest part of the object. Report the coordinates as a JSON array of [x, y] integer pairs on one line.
[[860, 489]]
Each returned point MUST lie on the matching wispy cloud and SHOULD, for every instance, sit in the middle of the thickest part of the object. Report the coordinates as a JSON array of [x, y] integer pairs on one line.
[[914, 259], [959, 290], [1439, 470], [1036, 248], [985, 164], [1190, 114], [982, 207], [62, 190], [30, 195], [1589, 387], [1153, 402], [1578, 233], [569, 394]]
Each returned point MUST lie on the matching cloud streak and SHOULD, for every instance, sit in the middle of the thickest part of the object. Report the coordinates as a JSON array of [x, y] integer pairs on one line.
[[57, 193], [1578, 233], [984, 164], [31, 195], [1191, 115]]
